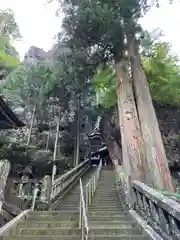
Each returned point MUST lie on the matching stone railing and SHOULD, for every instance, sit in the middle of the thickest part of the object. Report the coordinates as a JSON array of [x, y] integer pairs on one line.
[[28, 193], [62, 184], [158, 211], [25, 193], [10, 204], [91, 186]]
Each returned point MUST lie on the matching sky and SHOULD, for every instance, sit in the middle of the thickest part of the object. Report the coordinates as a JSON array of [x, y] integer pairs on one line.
[[38, 22]]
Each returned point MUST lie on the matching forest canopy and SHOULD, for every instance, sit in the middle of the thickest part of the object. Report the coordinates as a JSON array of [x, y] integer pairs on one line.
[[162, 69]]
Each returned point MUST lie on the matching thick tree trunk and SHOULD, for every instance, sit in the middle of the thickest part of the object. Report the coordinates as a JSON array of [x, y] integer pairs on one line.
[[156, 157], [125, 156], [133, 145]]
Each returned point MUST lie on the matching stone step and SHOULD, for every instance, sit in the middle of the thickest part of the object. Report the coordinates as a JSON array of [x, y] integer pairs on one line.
[[108, 177], [69, 201], [49, 213], [75, 237], [108, 181], [107, 209], [113, 193], [42, 237], [104, 201], [109, 231], [105, 197], [110, 224], [73, 208], [101, 205], [106, 194], [122, 218], [49, 231], [69, 206], [109, 187], [105, 204], [117, 237], [107, 213], [53, 216], [106, 185], [48, 224]]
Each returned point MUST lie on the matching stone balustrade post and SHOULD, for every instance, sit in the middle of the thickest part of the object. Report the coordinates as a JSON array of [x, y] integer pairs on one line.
[[46, 190], [5, 167]]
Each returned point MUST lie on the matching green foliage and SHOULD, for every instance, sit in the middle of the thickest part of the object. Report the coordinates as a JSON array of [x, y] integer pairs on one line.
[[8, 60], [64, 78], [105, 87], [162, 70], [163, 73], [9, 31], [100, 27], [30, 84], [8, 25], [94, 25]]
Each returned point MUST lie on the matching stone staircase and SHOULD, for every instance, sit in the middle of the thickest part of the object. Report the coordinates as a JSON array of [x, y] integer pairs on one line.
[[59, 224], [71, 201], [107, 218]]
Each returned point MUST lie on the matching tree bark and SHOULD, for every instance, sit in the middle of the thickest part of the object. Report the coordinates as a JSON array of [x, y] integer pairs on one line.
[[155, 153], [125, 156], [133, 152]]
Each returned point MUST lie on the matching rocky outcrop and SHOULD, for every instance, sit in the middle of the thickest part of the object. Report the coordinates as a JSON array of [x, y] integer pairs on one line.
[[35, 54]]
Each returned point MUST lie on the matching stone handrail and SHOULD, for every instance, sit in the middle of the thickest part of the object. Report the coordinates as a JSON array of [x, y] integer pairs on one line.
[[64, 181], [90, 187], [158, 211], [83, 221], [38, 195], [161, 212], [4, 231]]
